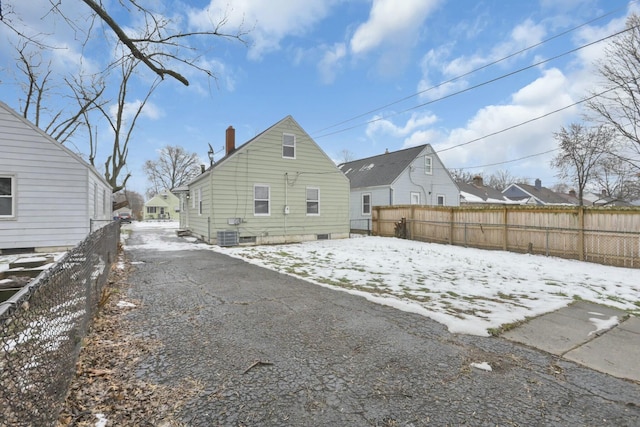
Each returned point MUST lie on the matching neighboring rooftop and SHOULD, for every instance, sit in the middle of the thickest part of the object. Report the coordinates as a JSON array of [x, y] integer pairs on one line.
[[477, 192], [378, 170]]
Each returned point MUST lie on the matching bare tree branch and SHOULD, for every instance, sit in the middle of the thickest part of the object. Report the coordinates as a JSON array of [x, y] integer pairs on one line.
[[581, 152]]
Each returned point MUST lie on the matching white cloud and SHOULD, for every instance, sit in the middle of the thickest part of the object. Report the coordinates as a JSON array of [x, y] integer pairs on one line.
[[523, 35], [150, 110], [331, 62], [391, 21], [267, 23], [384, 128], [547, 93]]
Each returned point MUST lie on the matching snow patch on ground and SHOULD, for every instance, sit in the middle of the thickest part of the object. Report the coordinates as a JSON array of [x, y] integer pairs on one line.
[[469, 290], [484, 366]]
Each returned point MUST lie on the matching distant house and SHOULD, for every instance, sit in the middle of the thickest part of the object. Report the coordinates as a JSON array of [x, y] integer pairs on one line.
[[50, 199], [476, 193], [534, 195], [413, 176], [602, 199], [278, 187], [164, 205]]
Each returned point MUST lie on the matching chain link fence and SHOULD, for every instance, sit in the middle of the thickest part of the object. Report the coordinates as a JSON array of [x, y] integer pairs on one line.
[[42, 327]]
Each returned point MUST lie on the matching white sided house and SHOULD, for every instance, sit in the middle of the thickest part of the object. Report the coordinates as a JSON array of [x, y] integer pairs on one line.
[[279, 187], [50, 199], [413, 176]]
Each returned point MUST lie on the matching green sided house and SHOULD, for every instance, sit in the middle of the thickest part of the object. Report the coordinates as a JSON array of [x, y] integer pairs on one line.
[[164, 205], [278, 187]]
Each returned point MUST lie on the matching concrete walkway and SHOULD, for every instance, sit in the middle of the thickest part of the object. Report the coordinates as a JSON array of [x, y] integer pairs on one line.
[[596, 336]]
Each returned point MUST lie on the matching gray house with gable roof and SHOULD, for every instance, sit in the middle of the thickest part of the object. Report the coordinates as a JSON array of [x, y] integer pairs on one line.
[[413, 176], [534, 195]]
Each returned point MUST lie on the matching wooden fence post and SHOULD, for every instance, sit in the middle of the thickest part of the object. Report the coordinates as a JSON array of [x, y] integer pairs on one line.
[[412, 217], [505, 239], [581, 233], [375, 214], [451, 226]]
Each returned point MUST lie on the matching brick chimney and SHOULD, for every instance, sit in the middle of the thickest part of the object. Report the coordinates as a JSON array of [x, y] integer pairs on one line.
[[572, 193], [604, 193], [230, 144], [477, 181]]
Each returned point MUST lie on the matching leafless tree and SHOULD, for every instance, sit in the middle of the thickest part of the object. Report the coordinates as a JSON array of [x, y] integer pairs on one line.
[[502, 179], [581, 150], [462, 175], [561, 187], [37, 86], [131, 199], [619, 107], [161, 44], [346, 156], [122, 123], [162, 47], [173, 168], [618, 178]]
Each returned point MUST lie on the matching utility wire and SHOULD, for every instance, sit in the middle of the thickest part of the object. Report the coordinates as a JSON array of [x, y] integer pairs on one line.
[[453, 79], [509, 161], [529, 121], [483, 83]]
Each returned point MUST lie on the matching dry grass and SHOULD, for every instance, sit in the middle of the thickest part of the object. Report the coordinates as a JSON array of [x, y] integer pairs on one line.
[[106, 384]]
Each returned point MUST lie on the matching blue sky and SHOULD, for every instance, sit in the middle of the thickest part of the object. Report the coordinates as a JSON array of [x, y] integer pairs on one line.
[[355, 75]]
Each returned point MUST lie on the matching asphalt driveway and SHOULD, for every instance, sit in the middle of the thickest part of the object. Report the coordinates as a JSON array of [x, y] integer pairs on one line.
[[262, 348]]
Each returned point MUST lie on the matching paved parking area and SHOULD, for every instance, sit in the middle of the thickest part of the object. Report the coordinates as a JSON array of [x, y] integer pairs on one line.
[[264, 348]]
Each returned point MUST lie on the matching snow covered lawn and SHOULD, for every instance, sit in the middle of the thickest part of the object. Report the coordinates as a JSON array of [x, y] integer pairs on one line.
[[468, 290]]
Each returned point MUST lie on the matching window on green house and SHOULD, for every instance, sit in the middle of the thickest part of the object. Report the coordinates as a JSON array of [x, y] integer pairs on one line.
[[261, 200], [313, 201]]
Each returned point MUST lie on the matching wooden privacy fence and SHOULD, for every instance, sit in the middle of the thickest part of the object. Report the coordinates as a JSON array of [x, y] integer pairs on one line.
[[609, 236]]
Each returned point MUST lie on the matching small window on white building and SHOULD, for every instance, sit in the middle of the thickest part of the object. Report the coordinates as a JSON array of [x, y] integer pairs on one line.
[[261, 200], [415, 198], [366, 204], [199, 201], [313, 201], [7, 197], [440, 200], [428, 165], [288, 146]]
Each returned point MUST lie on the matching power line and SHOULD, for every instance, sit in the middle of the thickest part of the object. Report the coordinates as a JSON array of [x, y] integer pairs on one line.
[[522, 124], [453, 79], [528, 121], [481, 84], [509, 161]]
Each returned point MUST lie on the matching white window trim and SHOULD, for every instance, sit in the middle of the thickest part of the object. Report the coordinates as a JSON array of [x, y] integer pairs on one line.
[[362, 204], [294, 146], [12, 197], [444, 199], [307, 201], [414, 193], [268, 199], [428, 160], [199, 201]]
